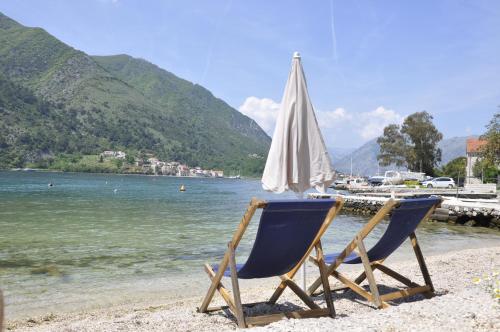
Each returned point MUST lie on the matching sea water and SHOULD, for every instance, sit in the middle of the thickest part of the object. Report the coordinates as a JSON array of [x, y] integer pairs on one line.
[[92, 240]]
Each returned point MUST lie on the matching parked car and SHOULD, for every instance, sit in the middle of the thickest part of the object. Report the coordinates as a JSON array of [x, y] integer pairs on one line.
[[376, 180], [441, 182]]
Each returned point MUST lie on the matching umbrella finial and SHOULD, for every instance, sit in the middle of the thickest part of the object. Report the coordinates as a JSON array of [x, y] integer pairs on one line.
[[296, 55]]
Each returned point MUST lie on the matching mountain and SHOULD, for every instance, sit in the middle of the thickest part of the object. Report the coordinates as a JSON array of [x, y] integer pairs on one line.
[[337, 153], [364, 159], [189, 102], [56, 99], [452, 148]]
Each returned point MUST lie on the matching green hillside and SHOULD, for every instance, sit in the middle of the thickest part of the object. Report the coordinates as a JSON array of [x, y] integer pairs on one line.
[[55, 99]]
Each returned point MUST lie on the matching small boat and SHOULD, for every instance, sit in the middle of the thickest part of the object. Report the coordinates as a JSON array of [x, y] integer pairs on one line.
[[182, 188]]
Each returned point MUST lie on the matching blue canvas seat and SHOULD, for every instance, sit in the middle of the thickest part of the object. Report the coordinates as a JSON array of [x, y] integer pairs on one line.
[[286, 230], [287, 233], [405, 216]]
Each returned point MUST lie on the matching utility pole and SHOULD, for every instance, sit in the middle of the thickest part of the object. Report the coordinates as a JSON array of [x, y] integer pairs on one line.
[[351, 165]]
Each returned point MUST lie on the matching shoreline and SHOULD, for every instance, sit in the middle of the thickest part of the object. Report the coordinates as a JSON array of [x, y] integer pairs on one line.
[[460, 304], [47, 170]]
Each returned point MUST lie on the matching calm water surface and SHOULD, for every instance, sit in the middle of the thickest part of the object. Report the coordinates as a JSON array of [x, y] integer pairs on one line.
[[93, 240]]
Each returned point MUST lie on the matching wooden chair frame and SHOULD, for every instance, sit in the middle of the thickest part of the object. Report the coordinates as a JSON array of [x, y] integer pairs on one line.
[[234, 303], [380, 301]]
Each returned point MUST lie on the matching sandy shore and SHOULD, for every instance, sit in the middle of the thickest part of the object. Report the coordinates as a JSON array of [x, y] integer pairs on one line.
[[462, 303]]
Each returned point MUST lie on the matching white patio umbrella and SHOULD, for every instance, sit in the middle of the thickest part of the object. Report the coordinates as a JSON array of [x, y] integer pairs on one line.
[[298, 159]]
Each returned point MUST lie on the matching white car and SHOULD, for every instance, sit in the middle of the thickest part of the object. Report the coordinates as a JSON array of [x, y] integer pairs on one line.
[[439, 183]]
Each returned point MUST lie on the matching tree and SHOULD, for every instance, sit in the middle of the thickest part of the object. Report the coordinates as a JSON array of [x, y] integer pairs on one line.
[[118, 163], [392, 147], [455, 169], [130, 159], [415, 143], [491, 151], [487, 167], [487, 172]]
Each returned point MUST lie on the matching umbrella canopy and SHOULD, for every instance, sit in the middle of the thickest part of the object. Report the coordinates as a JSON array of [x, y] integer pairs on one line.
[[298, 159]]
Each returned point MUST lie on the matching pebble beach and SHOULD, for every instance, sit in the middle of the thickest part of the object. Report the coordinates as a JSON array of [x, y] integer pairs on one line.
[[466, 284]]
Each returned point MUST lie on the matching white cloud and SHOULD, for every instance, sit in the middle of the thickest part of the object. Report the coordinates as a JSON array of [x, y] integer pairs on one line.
[[263, 110], [367, 125], [332, 119], [337, 125], [372, 123]]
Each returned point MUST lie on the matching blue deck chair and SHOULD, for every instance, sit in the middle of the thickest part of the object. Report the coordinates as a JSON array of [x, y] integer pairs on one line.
[[288, 231], [405, 216]]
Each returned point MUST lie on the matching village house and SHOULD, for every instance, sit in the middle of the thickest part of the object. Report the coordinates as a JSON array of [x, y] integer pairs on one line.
[[172, 168], [155, 164], [114, 154], [169, 168], [182, 170], [120, 155], [108, 154], [473, 150], [199, 172], [153, 160], [217, 174]]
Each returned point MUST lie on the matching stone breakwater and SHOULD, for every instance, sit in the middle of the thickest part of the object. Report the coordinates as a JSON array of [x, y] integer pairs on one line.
[[452, 211]]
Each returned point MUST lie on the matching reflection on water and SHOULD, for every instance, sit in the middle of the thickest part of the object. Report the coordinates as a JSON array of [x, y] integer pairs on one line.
[[111, 234]]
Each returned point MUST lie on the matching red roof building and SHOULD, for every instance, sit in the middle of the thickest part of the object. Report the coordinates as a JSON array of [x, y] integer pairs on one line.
[[473, 149], [474, 145]]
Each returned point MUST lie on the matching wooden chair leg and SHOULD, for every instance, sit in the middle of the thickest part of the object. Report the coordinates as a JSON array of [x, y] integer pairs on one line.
[[240, 317], [369, 273], [421, 262], [324, 278], [359, 279], [362, 276], [286, 281], [253, 206], [374, 221], [330, 269], [390, 272], [221, 289], [216, 279], [300, 293]]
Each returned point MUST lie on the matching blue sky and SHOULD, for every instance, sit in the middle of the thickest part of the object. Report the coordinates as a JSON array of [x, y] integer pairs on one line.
[[368, 63]]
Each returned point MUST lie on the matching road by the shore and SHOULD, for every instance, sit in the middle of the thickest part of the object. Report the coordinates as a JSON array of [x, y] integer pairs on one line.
[[464, 302]]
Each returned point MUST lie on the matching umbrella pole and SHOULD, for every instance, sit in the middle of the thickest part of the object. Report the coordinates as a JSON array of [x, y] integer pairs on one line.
[[304, 284], [303, 267]]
